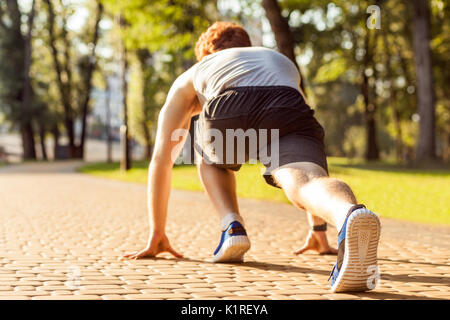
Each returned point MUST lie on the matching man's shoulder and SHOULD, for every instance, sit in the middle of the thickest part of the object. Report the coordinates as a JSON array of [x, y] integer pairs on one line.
[[235, 50], [184, 83]]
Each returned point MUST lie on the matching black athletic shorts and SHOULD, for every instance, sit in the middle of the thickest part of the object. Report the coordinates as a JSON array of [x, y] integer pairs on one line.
[[261, 109]]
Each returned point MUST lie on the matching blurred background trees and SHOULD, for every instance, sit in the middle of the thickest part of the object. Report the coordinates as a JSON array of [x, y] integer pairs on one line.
[[376, 72]]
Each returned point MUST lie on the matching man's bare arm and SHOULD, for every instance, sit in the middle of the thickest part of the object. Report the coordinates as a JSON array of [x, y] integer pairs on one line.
[[181, 105]]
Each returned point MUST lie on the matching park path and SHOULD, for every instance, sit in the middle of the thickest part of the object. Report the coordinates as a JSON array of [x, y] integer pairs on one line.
[[61, 234]]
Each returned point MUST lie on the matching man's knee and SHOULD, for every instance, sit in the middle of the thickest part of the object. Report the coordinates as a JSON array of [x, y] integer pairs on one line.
[[205, 166], [339, 187], [297, 175], [290, 177], [332, 186]]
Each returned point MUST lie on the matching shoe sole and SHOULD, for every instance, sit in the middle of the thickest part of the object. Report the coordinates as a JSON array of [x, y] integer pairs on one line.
[[359, 270], [233, 249]]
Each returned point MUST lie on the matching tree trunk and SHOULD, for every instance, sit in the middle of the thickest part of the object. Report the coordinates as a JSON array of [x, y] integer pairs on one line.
[[282, 32], [399, 152], [42, 142], [396, 115], [143, 56], [27, 136], [64, 87], [56, 134], [88, 79], [125, 163], [425, 149], [372, 149], [446, 147], [24, 94], [108, 123], [148, 141]]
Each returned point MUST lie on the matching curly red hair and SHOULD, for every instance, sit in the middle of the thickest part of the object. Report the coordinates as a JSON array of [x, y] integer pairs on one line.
[[221, 35]]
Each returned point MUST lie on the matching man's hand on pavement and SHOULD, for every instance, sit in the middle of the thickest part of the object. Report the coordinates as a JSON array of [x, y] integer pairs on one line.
[[158, 243], [317, 241]]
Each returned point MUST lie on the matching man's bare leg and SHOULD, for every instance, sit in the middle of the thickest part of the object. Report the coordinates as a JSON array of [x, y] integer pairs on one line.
[[316, 240], [220, 184], [308, 186]]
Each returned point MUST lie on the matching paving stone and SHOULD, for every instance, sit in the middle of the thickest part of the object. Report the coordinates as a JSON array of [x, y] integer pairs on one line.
[[308, 297], [68, 297], [14, 297], [156, 296], [6, 288], [64, 241], [113, 297]]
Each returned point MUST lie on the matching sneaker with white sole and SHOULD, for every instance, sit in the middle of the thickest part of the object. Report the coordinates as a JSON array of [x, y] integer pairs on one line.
[[356, 267], [234, 243]]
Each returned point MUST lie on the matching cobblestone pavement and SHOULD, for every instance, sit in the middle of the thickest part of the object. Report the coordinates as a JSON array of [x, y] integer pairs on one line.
[[61, 234]]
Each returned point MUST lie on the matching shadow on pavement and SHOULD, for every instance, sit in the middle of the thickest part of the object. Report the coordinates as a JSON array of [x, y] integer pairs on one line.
[[410, 262], [392, 296], [408, 278], [283, 268], [296, 269]]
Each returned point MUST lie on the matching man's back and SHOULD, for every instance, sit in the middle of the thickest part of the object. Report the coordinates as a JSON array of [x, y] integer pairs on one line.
[[243, 67]]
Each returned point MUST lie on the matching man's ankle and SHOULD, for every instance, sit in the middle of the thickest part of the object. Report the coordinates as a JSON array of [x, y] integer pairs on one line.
[[229, 218]]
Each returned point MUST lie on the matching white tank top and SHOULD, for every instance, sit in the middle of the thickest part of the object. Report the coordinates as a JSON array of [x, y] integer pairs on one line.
[[243, 67]]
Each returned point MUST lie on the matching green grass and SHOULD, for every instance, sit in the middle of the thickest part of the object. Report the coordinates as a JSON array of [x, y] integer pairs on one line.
[[392, 191]]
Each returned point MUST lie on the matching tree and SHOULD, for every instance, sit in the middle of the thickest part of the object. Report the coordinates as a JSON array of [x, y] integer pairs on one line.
[[372, 149], [440, 45], [63, 74], [425, 92], [15, 89], [282, 32], [396, 55], [88, 67], [144, 104], [343, 54], [171, 30], [108, 121], [125, 163], [70, 90], [28, 139]]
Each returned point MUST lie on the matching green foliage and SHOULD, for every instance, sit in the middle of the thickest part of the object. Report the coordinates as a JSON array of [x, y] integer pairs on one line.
[[161, 36], [11, 73], [331, 71], [440, 46], [144, 98], [161, 25], [334, 34]]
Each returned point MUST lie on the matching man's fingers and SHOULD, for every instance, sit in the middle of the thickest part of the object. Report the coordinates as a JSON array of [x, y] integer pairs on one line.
[[302, 249], [135, 255], [174, 253], [142, 254], [152, 251], [127, 256]]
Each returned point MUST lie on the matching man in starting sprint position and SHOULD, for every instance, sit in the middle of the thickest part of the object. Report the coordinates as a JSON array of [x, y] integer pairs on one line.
[[240, 87]]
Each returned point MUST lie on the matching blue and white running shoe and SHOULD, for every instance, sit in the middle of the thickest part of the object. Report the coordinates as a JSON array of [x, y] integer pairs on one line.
[[356, 267], [234, 243]]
